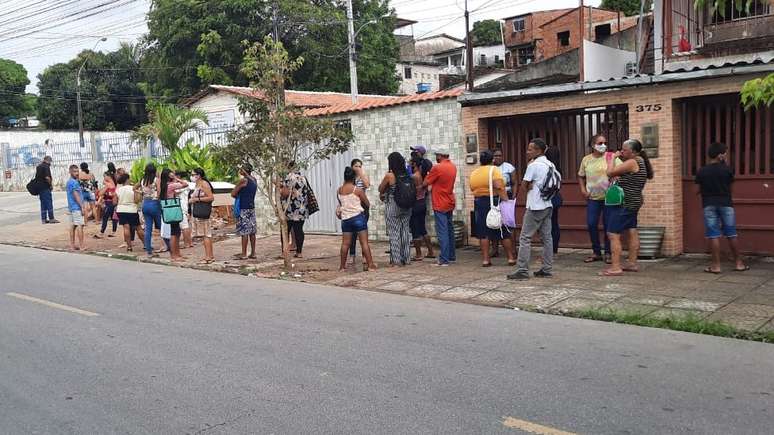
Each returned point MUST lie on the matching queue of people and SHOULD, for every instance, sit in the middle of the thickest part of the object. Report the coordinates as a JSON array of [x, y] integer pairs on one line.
[[611, 182]]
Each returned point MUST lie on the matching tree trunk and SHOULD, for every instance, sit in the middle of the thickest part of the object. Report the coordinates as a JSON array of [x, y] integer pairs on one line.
[[279, 211]]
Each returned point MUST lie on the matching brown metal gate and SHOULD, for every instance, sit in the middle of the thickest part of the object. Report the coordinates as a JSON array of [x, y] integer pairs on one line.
[[570, 131], [748, 134]]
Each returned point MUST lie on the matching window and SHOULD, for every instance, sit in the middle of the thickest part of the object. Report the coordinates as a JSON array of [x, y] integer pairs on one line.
[[482, 59], [564, 38], [754, 8], [602, 31], [525, 55], [406, 72], [497, 59], [518, 25]]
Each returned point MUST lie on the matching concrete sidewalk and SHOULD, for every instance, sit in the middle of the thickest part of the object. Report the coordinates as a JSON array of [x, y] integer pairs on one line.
[[666, 287]]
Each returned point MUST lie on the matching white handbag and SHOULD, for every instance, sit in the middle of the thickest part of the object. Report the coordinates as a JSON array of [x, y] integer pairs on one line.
[[494, 220]]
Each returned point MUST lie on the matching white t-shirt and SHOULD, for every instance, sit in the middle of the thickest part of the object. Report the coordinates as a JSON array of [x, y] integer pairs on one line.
[[125, 204], [536, 174], [507, 170]]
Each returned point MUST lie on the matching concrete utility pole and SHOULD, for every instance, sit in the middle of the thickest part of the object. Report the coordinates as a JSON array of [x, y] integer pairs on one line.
[[468, 50], [78, 93], [580, 47], [352, 62]]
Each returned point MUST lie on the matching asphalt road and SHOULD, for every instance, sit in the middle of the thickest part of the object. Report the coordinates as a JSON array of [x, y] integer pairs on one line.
[[180, 351], [20, 207]]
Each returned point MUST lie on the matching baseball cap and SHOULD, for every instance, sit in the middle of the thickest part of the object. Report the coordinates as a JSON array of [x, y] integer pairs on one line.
[[442, 150], [419, 148]]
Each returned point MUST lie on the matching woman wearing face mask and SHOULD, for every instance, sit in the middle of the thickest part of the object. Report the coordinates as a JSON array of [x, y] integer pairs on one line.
[[203, 194], [593, 182]]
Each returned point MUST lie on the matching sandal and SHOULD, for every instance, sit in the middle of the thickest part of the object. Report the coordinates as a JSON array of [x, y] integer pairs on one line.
[[744, 269], [593, 258], [511, 263], [486, 265], [430, 256], [239, 257], [607, 272], [708, 269], [630, 268], [417, 258]]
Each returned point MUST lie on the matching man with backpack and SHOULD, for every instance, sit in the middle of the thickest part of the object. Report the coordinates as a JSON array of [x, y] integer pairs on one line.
[[541, 182]]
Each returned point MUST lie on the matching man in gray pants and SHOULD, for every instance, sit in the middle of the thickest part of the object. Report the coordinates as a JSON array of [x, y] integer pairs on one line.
[[537, 217]]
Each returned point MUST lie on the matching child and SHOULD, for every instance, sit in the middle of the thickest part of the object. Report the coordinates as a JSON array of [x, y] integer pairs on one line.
[[714, 182]]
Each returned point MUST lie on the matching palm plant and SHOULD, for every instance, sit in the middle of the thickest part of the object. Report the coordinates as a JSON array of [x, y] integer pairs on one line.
[[168, 123]]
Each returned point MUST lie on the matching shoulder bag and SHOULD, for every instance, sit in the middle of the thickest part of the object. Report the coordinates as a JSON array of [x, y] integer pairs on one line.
[[494, 219], [311, 200], [171, 212], [201, 210]]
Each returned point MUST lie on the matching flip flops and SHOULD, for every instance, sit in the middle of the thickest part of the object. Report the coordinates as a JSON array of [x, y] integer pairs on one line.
[[607, 272], [709, 270], [593, 259], [744, 269]]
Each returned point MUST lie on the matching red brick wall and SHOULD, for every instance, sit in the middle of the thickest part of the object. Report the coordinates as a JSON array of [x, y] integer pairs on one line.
[[550, 46], [663, 194]]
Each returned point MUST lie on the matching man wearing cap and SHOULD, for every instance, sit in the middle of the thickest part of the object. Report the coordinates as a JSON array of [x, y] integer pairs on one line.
[[420, 150], [441, 181]]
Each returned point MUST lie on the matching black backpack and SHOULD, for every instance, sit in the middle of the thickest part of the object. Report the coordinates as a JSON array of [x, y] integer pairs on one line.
[[405, 192]]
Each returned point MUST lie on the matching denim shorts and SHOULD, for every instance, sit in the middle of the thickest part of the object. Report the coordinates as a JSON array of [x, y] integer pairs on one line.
[[354, 224], [719, 221], [88, 196], [620, 219]]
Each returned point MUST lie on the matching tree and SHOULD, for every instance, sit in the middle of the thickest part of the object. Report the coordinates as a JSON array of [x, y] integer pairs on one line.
[[278, 139], [13, 81], [486, 32], [110, 92], [192, 44], [168, 123], [628, 7]]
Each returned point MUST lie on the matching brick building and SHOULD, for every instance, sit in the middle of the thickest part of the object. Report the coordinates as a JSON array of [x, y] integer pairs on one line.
[[692, 101], [538, 36]]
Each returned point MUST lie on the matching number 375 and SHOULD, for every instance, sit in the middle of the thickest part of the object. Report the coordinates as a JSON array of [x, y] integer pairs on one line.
[[648, 108]]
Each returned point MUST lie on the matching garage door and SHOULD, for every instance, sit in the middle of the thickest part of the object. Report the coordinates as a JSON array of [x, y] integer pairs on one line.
[[748, 134]]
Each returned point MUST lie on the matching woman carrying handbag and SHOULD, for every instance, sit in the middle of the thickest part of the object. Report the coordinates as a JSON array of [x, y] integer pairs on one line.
[[201, 210]]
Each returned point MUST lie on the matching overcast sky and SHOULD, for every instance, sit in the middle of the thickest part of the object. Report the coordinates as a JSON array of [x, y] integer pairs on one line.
[[38, 34]]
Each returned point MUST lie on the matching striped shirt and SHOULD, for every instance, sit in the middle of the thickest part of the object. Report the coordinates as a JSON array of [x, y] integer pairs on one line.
[[632, 185]]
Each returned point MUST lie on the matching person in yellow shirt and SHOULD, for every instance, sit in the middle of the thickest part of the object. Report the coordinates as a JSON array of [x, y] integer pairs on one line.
[[593, 182], [484, 197]]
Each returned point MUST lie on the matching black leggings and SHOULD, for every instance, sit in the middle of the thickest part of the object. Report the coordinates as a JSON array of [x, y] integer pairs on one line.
[[108, 215], [296, 229]]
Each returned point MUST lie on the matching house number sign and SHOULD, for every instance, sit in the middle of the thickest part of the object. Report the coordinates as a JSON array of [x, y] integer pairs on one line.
[[647, 108]]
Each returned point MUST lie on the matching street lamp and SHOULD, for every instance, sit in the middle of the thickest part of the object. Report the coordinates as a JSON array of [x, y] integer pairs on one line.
[[78, 92]]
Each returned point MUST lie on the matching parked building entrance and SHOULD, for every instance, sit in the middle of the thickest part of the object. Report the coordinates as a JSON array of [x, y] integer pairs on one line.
[[748, 134], [570, 131]]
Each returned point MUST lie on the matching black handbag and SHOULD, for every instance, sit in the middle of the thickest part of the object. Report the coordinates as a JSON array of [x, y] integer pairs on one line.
[[201, 210], [34, 187]]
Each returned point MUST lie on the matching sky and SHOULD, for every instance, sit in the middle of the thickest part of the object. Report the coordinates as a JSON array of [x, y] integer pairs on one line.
[[38, 34]]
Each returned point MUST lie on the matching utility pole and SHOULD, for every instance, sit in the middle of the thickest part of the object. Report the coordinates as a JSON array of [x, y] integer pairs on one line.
[[78, 94], [468, 50], [352, 61], [580, 35]]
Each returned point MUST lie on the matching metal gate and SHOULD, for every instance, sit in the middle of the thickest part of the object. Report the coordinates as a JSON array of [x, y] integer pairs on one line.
[[748, 134], [324, 178], [570, 131]]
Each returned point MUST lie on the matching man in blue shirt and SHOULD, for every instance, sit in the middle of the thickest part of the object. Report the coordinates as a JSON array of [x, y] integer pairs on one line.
[[75, 207]]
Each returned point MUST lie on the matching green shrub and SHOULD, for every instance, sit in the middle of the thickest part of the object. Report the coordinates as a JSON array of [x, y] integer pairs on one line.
[[192, 156]]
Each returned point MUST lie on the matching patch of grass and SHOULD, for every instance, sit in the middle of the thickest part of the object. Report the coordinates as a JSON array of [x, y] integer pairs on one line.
[[686, 323]]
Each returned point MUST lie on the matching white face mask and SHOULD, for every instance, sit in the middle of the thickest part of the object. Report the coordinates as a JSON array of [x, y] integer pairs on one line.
[[600, 148], [194, 178]]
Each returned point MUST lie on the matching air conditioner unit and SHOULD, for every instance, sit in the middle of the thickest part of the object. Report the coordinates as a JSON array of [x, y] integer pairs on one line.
[[631, 68]]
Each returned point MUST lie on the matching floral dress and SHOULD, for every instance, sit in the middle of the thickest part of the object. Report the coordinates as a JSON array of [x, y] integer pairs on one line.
[[296, 202]]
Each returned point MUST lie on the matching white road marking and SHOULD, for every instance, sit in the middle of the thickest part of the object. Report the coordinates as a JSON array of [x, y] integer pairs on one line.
[[52, 304], [528, 426]]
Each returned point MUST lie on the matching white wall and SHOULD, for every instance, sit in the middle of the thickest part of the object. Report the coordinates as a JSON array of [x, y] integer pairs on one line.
[[490, 52], [604, 63], [221, 107], [420, 73]]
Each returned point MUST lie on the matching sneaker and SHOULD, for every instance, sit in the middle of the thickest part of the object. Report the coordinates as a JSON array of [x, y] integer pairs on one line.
[[441, 264], [53, 221], [520, 276], [543, 274]]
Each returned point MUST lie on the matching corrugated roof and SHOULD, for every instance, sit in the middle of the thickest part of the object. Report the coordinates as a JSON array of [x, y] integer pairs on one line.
[[718, 62], [395, 101]]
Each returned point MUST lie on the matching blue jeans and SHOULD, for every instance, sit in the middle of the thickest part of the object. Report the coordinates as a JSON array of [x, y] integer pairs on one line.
[[719, 220], [46, 205], [444, 230], [594, 209], [151, 210]]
